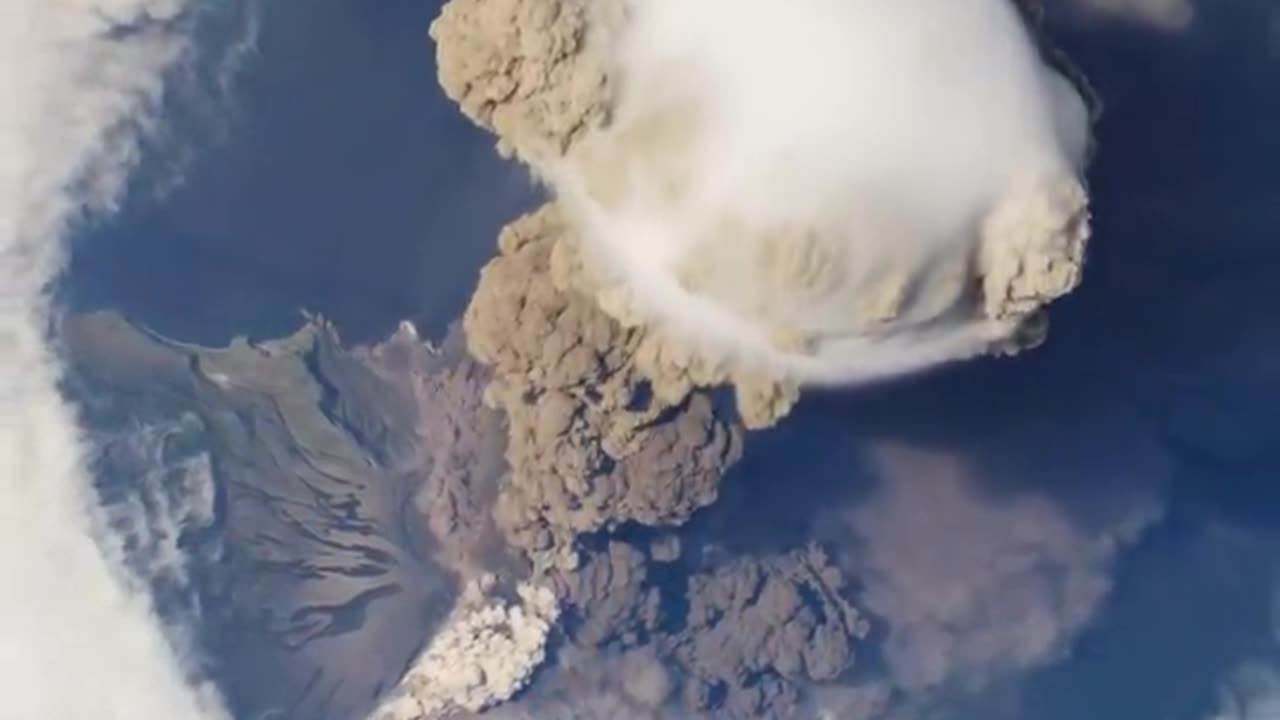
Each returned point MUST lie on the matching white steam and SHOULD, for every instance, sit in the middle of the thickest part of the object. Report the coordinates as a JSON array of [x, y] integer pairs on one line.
[[832, 190], [81, 81]]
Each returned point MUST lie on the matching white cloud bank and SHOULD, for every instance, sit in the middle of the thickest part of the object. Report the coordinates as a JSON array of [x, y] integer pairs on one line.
[[832, 190], [81, 81]]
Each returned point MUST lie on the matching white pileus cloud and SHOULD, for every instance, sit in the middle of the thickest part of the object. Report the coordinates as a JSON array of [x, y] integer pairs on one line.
[[832, 190]]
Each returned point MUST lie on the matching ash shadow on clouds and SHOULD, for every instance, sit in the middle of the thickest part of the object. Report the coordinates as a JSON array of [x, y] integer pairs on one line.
[[344, 183], [1161, 376]]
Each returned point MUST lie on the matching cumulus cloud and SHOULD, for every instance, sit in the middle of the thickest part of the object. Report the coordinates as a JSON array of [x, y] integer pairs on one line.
[[82, 85], [833, 191]]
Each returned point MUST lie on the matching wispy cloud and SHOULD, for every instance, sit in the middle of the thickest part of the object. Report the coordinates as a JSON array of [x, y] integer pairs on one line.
[[1251, 693], [82, 85], [975, 583], [1169, 15]]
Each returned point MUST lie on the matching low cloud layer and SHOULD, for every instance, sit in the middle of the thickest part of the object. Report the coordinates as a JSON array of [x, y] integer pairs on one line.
[[83, 84]]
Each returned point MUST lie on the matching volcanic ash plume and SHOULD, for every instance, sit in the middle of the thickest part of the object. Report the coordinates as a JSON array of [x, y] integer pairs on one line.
[[829, 191], [901, 180]]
